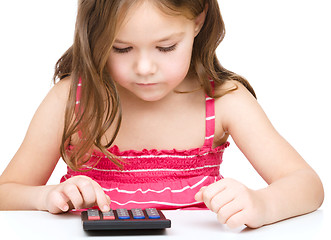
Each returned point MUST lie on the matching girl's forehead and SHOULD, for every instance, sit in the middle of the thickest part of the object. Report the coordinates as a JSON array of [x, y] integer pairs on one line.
[[146, 19]]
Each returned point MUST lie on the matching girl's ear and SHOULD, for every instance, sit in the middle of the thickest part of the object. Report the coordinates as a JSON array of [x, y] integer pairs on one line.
[[200, 20]]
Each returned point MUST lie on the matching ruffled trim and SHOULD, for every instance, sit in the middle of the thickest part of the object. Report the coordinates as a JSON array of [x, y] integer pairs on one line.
[[155, 152]]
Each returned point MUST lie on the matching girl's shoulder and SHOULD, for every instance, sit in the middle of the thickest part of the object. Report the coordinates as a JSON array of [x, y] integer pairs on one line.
[[57, 97], [52, 108], [233, 92], [235, 103], [61, 88]]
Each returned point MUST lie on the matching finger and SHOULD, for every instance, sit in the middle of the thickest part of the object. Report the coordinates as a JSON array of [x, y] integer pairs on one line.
[[72, 193], [87, 191], [108, 199], [211, 191], [101, 198], [228, 210], [198, 195], [220, 200], [236, 220]]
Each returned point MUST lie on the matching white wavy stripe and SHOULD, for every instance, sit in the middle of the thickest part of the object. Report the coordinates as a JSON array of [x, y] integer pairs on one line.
[[157, 202], [152, 170], [156, 191]]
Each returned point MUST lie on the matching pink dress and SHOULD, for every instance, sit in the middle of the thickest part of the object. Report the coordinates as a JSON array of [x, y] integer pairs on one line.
[[164, 179]]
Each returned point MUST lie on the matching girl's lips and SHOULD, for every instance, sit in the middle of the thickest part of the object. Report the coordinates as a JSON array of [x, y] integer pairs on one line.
[[146, 84]]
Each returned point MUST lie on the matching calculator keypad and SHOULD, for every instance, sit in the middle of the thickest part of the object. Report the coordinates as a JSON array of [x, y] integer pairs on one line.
[[122, 213], [121, 219]]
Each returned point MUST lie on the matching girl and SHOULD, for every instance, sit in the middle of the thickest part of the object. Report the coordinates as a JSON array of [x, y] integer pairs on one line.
[[142, 114]]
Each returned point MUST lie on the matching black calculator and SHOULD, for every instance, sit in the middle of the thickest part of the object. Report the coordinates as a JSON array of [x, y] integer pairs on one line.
[[124, 219]]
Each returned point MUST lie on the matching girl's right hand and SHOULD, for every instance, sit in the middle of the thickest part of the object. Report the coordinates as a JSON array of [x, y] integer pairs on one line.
[[75, 193]]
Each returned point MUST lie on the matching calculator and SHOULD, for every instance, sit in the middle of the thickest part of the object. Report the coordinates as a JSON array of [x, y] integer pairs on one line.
[[124, 219]]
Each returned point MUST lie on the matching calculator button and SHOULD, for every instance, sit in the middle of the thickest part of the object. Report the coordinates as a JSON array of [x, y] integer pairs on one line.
[[108, 215], [123, 213], [93, 214], [152, 213], [137, 213]]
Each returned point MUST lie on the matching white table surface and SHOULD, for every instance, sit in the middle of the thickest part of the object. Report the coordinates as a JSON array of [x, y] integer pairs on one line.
[[186, 224]]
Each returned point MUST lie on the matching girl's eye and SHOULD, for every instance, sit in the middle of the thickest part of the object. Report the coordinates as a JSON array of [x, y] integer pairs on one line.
[[167, 49], [161, 49], [122, 50]]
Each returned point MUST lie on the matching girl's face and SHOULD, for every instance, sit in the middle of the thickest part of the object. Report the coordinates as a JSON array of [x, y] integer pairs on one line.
[[152, 52]]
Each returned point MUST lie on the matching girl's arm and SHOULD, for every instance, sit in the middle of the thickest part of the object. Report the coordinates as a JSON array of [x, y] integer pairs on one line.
[[294, 188], [22, 184]]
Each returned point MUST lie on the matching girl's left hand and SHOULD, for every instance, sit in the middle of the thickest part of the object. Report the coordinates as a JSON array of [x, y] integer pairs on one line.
[[234, 203]]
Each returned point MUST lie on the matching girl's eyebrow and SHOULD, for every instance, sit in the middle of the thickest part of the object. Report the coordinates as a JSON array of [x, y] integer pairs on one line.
[[172, 36], [164, 39]]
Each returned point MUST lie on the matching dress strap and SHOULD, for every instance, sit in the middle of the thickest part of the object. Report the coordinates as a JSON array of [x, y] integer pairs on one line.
[[210, 119]]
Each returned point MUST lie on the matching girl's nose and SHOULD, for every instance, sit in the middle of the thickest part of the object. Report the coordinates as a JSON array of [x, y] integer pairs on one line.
[[145, 65]]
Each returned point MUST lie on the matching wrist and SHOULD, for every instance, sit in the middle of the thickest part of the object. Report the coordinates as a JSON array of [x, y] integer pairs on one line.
[[41, 197], [269, 205]]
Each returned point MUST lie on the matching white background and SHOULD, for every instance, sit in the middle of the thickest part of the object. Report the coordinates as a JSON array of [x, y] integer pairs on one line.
[[283, 47]]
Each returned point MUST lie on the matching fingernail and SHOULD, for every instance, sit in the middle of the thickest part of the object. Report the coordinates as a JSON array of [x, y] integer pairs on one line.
[[105, 208], [65, 208]]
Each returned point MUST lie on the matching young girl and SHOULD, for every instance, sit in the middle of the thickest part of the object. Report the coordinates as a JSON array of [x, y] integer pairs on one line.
[[142, 114]]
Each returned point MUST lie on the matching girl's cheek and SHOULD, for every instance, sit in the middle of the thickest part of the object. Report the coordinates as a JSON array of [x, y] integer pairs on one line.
[[116, 68]]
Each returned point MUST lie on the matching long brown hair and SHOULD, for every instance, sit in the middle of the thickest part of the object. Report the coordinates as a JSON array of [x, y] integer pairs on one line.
[[97, 23]]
